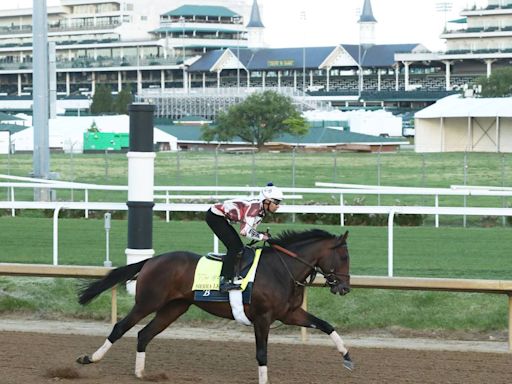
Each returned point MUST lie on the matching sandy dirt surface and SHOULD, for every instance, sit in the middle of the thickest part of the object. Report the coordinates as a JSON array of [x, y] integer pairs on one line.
[[33, 357]]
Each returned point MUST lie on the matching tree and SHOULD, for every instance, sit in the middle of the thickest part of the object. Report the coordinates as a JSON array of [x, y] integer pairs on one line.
[[123, 99], [262, 117], [101, 100], [499, 84]]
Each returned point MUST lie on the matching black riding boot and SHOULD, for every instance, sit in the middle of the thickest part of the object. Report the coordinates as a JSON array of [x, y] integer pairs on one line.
[[227, 282]]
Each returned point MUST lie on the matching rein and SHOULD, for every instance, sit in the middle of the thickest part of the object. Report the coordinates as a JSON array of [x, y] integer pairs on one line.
[[330, 278]]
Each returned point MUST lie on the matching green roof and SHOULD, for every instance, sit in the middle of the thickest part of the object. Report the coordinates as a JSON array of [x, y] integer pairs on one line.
[[13, 128], [315, 135], [462, 20], [7, 117], [202, 10], [192, 118], [330, 135]]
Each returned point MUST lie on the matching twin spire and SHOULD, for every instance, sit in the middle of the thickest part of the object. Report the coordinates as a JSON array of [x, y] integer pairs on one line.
[[367, 21], [367, 26]]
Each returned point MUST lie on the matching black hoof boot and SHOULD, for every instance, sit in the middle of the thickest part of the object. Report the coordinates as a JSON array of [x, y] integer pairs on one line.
[[347, 362], [84, 359]]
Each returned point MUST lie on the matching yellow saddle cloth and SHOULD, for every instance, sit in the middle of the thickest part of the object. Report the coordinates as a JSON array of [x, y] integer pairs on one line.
[[207, 275]]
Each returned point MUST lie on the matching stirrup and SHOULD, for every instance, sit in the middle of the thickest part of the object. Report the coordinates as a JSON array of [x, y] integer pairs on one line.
[[227, 285]]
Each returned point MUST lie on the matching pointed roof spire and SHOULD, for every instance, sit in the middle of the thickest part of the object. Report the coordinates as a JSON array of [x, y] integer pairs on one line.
[[367, 14], [255, 21]]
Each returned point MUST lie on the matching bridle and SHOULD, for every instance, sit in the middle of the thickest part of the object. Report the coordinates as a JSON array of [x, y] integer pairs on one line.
[[331, 279]]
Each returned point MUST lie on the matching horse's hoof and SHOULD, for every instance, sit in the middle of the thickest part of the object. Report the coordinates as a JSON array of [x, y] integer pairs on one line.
[[84, 359], [347, 362]]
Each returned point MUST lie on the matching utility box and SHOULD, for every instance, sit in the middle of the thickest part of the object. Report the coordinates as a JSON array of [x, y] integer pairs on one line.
[[103, 141]]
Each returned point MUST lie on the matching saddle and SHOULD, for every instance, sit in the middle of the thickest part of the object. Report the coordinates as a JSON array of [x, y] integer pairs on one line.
[[242, 263], [207, 275]]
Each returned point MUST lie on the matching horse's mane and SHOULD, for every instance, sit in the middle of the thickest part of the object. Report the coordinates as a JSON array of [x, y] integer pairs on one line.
[[287, 238]]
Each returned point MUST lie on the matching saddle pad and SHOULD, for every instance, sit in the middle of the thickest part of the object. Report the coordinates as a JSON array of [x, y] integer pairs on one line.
[[207, 275], [206, 280]]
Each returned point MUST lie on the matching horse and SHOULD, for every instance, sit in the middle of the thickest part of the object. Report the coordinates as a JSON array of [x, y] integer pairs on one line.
[[164, 286]]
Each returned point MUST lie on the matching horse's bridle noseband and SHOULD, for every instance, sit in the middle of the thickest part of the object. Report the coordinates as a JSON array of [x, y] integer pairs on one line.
[[331, 279]]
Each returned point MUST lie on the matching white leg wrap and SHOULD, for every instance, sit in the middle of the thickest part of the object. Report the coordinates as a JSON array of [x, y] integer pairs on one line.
[[98, 355], [262, 375], [140, 360], [338, 342]]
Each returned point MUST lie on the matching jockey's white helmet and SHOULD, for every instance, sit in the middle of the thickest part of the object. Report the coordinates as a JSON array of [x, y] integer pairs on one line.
[[271, 192]]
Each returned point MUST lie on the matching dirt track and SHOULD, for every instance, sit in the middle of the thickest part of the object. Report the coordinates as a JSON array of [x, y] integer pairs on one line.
[[29, 357]]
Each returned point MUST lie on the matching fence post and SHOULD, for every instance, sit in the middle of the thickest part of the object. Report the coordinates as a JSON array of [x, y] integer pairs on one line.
[[167, 215], [437, 214], [390, 242], [342, 214], [13, 211], [56, 235], [86, 200]]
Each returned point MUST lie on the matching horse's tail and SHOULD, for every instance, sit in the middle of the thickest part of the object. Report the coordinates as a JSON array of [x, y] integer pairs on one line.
[[114, 277]]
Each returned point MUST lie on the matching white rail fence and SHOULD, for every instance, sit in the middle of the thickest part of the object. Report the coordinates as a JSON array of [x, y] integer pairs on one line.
[[170, 193], [198, 207], [291, 194]]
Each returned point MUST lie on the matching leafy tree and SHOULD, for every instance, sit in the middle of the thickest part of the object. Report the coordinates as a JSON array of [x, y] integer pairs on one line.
[[262, 117], [499, 84], [123, 99], [101, 100]]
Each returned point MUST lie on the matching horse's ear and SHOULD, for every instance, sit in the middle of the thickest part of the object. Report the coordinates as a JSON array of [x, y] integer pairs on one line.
[[344, 237]]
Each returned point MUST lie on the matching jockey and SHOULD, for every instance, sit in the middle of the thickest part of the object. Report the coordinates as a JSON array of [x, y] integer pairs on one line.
[[249, 213]]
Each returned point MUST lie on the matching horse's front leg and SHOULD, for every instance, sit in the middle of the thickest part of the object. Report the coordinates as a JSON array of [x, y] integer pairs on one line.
[[261, 330], [304, 319]]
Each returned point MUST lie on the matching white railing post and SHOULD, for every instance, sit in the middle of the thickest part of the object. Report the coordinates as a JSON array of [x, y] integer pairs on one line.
[[342, 214], [13, 211], [215, 244], [167, 215], [437, 214], [86, 200], [390, 242], [56, 235]]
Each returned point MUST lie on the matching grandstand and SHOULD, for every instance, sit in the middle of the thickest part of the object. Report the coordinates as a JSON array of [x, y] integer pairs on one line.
[[188, 52], [208, 102]]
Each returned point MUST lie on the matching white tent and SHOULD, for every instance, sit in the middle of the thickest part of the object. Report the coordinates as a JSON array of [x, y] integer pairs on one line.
[[459, 124], [4, 142], [66, 132]]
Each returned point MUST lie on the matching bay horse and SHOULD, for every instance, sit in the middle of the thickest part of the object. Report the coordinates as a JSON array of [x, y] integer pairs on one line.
[[164, 286]]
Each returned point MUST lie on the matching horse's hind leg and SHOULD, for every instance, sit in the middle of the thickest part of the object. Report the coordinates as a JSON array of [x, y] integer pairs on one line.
[[163, 318], [304, 319], [121, 327]]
